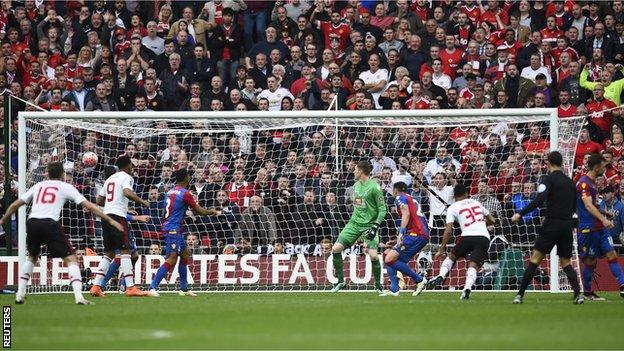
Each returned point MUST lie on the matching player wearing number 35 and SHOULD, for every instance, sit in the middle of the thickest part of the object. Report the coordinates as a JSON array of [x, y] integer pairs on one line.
[[44, 227]]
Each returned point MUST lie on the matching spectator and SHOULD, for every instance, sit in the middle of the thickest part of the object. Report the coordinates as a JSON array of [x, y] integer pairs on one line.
[[193, 244], [227, 41], [257, 224], [612, 206]]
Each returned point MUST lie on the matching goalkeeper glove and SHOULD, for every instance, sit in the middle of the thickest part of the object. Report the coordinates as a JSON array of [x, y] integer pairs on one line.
[[372, 232]]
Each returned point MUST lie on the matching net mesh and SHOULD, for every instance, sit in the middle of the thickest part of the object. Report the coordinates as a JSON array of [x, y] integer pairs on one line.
[[285, 188]]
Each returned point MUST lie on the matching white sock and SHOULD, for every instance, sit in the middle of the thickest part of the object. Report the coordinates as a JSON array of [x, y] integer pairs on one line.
[[75, 279], [126, 269], [25, 275], [471, 276], [446, 266], [101, 270]]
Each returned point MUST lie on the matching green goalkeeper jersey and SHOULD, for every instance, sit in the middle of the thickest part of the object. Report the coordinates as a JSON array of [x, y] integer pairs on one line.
[[369, 206]]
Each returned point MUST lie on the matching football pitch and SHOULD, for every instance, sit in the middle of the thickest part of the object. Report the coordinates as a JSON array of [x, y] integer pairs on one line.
[[317, 321]]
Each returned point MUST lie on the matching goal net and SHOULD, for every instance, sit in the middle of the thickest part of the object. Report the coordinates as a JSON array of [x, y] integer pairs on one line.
[[283, 182]]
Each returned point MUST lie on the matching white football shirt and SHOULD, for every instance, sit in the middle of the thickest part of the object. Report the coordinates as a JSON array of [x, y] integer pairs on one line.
[[470, 214], [48, 198], [112, 190]]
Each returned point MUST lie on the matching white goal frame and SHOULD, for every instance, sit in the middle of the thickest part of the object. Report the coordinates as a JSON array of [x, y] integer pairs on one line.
[[458, 115]]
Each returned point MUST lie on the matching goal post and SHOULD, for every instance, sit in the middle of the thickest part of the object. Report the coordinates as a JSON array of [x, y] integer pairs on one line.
[[291, 257]]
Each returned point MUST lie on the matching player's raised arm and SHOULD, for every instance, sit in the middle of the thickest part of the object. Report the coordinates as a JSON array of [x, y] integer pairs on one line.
[[445, 238], [205, 211], [131, 195], [11, 210], [542, 194], [93, 208]]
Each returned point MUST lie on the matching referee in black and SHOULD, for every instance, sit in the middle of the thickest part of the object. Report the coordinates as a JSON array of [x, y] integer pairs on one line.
[[559, 192]]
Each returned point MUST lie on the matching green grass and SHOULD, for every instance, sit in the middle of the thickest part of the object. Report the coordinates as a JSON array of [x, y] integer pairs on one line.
[[317, 321]]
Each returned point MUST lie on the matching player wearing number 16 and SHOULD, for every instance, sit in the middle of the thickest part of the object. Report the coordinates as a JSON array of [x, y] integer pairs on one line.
[[474, 240], [117, 190], [44, 228]]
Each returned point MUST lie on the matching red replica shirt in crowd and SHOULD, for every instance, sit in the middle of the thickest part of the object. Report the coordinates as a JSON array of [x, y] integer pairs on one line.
[[72, 72], [616, 150], [473, 12], [463, 36], [490, 17], [466, 94], [512, 49], [597, 115], [421, 12], [556, 52], [240, 194], [451, 61], [458, 133], [611, 174], [551, 36], [584, 148], [566, 112], [342, 30], [538, 146], [422, 103]]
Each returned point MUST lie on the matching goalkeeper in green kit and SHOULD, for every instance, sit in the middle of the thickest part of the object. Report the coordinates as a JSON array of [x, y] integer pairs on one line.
[[369, 210]]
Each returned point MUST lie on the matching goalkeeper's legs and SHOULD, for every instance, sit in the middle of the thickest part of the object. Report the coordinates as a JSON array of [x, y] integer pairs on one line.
[[337, 260], [374, 256]]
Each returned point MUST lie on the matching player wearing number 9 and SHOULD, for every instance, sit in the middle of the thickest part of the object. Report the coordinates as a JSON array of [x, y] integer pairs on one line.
[[44, 228], [474, 241], [114, 196]]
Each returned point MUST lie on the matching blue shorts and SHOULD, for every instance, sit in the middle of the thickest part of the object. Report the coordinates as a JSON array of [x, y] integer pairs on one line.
[[410, 246], [594, 244], [174, 243], [132, 246]]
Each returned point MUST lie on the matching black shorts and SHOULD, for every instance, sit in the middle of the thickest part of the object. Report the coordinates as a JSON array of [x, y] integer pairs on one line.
[[472, 248], [556, 233], [47, 232], [113, 239]]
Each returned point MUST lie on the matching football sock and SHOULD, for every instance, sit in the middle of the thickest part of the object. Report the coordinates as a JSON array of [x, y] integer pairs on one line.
[[160, 274], [405, 269], [338, 266], [101, 270], [446, 267], [377, 271], [112, 269], [75, 279], [587, 274], [527, 278], [616, 270], [471, 277], [182, 271], [394, 281], [126, 270], [572, 278], [25, 274]]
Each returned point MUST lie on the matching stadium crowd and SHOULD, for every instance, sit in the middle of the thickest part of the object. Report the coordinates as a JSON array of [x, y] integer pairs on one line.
[[285, 190]]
